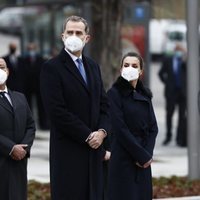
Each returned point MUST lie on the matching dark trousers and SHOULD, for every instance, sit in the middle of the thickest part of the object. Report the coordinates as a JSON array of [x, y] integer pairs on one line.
[[43, 120], [172, 101]]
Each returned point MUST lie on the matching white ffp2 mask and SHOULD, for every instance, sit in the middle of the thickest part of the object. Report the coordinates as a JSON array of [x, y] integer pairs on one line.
[[3, 76], [130, 73], [73, 43]]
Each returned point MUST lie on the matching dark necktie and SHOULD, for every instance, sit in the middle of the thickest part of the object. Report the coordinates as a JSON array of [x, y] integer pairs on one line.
[[13, 60], [81, 69], [177, 73], [3, 96]]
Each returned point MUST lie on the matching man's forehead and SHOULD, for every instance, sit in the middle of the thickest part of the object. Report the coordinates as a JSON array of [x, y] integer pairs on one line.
[[75, 25]]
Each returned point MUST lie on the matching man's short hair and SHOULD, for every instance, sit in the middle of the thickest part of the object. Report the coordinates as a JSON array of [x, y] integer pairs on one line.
[[75, 18]]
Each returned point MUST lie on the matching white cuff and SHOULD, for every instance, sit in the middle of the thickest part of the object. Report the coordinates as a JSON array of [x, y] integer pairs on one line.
[[11, 150], [104, 131], [88, 138]]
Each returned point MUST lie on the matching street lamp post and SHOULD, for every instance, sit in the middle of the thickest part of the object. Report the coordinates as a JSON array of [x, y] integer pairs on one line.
[[193, 122]]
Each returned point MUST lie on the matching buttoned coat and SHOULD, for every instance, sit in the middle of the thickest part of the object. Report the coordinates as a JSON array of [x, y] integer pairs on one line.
[[134, 130], [16, 127], [75, 110]]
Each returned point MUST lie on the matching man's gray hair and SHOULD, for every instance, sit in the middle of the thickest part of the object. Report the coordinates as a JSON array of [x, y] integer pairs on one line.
[[75, 18]]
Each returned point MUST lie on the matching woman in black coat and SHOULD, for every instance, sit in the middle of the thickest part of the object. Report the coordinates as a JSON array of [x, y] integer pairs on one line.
[[134, 131]]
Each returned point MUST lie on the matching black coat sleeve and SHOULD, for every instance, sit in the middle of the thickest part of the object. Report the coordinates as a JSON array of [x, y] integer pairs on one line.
[[6, 145], [152, 132], [30, 129], [163, 71], [104, 119]]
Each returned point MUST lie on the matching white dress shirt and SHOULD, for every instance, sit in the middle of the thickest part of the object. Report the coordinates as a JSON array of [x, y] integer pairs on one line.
[[6, 94]]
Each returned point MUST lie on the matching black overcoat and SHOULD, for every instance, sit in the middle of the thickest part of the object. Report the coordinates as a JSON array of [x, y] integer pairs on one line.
[[75, 110], [16, 127], [134, 130], [15, 79]]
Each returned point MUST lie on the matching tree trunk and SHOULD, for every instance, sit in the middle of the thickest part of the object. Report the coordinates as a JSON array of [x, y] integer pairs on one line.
[[106, 44]]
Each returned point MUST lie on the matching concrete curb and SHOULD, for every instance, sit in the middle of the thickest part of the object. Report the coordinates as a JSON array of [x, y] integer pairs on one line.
[[181, 198]]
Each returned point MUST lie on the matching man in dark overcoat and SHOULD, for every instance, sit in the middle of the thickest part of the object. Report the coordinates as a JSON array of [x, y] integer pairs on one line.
[[14, 64], [173, 75], [17, 132], [32, 63], [75, 100]]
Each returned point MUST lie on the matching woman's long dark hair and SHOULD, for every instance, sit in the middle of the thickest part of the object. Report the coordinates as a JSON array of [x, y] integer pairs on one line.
[[133, 54]]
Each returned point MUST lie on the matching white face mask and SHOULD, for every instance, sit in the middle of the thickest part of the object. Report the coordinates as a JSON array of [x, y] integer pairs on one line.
[[3, 76], [178, 54], [130, 73], [32, 53], [74, 43]]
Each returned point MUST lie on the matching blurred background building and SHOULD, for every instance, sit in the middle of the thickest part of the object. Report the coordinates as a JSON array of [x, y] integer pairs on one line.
[[40, 21]]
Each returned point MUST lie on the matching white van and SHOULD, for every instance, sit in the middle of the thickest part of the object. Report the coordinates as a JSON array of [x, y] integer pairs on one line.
[[175, 33], [164, 34], [157, 36]]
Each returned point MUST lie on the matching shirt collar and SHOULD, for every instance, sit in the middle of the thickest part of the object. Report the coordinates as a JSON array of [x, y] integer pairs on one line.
[[74, 58]]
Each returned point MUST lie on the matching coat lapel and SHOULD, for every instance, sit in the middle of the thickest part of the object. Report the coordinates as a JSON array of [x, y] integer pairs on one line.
[[90, 76], [13, 99], [138, 96], [71, 67], [126, 89], [5, 105]]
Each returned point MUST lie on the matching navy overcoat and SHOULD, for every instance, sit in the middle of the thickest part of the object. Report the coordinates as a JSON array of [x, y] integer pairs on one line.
[[134, 130], [75, 110]]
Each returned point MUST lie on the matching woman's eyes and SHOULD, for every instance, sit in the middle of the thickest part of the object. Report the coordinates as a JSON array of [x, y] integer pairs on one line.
[[134, 66]]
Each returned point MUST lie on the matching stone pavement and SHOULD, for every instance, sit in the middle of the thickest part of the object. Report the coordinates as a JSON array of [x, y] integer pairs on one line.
[[181, 198], [38, 164]]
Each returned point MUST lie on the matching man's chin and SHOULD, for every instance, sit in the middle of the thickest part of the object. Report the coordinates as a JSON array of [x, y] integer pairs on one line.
[[74, 52]]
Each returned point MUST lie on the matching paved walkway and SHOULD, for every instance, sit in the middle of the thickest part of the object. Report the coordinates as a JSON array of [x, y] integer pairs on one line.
[[182, 198]]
